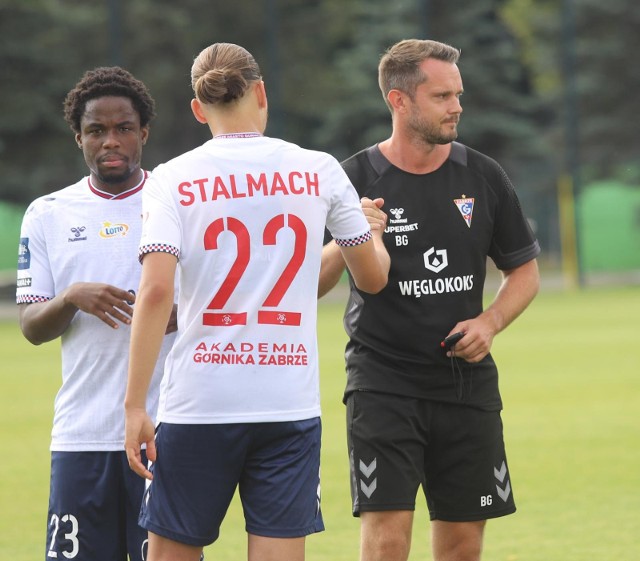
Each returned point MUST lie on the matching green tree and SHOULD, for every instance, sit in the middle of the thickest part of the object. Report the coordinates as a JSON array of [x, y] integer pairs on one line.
[[607, 34], [39, 61], [603, 102]]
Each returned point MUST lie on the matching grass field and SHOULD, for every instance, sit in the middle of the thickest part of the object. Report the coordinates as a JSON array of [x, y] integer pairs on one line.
[[570, 379]]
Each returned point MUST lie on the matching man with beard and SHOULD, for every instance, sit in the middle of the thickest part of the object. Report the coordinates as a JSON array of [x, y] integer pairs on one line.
[[77, 277], [423, 409]]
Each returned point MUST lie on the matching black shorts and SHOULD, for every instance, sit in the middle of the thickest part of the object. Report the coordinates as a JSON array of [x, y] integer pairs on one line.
[[455, 452]]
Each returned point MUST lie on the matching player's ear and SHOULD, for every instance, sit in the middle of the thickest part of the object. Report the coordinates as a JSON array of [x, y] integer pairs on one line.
[[396, 99], [198, 113], [261, 94]]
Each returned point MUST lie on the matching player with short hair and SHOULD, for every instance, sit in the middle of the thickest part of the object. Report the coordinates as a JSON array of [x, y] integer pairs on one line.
[[418, 413], [242, 217], [77, 277]]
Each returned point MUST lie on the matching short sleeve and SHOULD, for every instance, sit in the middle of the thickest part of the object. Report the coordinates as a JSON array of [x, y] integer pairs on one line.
[[161, 230]]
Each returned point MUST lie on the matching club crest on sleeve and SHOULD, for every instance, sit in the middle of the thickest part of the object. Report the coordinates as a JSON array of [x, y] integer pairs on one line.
[[465, 206], [24, 255]]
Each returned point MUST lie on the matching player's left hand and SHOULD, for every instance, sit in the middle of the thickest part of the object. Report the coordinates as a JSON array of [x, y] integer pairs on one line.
[[477, 341]]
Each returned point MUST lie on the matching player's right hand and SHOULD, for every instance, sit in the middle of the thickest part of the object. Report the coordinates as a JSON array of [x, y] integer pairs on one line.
[[139, 430], [372, 210]]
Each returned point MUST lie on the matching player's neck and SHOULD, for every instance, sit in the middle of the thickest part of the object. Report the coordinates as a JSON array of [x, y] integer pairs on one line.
[[238, 122], [115, 189], [414, 157]]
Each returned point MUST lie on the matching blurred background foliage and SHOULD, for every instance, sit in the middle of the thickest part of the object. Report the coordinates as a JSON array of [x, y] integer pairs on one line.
[[549, 86]]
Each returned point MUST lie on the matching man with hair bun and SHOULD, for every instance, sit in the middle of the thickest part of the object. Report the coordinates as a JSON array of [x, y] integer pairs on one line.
[[77, 278], [242, 217]]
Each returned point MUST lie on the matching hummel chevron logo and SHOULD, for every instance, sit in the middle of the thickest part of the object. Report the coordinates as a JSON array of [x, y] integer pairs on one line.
[[367, 470], [369, 489], [504, 493], [500, 475]]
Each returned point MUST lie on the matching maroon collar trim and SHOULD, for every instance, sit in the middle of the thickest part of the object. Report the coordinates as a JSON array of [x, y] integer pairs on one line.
[[119, 196]]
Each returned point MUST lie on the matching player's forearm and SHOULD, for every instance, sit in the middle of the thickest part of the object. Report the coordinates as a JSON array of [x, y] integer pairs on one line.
[[331, 268], [147, 332], [42, 322], [384, 259], [369, 264], [519, 287], [153, 308]]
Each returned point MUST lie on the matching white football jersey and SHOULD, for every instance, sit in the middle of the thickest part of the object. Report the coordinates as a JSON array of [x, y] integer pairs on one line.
[[245, 216], [81, 234]]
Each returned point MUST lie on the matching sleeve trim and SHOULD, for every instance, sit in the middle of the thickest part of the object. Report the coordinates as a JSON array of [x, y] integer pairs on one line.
[[158, 248], [31, 299], [351, 242]]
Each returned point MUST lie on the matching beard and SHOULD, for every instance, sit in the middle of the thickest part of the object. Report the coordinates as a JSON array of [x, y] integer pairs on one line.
[[429, 132], [113, 177]]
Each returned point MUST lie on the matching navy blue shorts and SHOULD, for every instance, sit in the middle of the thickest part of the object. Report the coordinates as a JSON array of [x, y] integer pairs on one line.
[[94, 502], [275, 466], [455, 452]]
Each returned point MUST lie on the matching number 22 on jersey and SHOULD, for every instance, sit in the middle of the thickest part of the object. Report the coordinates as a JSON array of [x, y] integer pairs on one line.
[[216, 316]]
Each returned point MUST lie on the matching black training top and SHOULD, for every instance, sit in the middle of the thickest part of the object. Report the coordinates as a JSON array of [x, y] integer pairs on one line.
[[442, 226]]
